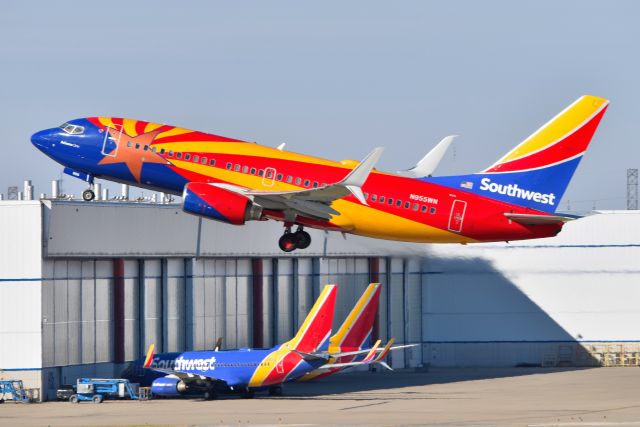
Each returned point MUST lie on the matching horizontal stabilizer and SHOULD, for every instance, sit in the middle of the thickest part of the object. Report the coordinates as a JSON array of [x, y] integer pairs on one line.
[[431, 160], [532, 219]]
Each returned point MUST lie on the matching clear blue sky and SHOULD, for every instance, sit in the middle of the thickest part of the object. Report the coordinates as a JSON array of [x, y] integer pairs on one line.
[[330, 78]]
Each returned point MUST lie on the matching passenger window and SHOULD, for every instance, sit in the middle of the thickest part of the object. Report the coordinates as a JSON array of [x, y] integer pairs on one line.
[[398, 203], [374, 197], [269, 173], [261, 172], [137, 146], [279, 177], [298, 181], [289, 179], [162, 151], [432, 210], [253, 171], [212, 162], [229, 166], [415, 206], [170, 153], [423, 209], [245, 169], [187, 156], [381, 199], [145, 148], [306, 182], [407, 205], [179, 155], [315, 184], [237, 168], [196, 158], [203, 161], [390, 201], [129, 144], [366, 196]]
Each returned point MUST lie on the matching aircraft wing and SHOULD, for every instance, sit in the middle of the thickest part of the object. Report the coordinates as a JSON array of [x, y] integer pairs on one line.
[[313, 202]]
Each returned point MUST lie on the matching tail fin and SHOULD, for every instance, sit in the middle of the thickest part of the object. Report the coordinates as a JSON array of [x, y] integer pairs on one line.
[[536, 173], [357, 327], [316, 328]]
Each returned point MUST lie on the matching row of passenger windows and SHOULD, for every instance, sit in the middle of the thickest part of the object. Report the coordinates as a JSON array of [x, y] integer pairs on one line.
[[399, 203], [289, 179]]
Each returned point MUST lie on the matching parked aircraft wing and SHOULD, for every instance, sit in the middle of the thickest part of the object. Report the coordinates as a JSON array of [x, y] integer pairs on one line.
[[314, 202]]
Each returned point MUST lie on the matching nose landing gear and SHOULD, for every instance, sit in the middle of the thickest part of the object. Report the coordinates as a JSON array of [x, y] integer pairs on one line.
[[88, 195], [292, 241]]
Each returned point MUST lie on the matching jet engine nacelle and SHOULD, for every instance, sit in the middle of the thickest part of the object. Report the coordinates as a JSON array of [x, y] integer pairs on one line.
[[219, 204], [167, 386]]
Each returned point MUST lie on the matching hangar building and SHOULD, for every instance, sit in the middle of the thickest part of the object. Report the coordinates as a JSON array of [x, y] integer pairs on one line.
[[86, 287]]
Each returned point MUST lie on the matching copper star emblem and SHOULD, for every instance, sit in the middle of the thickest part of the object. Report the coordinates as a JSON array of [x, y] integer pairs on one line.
[[127, 153]]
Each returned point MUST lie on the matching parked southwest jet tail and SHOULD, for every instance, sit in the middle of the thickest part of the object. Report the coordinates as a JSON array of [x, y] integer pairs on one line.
[[247, 370], [234, 181]]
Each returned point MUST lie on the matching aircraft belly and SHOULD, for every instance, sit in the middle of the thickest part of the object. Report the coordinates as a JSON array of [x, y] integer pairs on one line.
[[367, 221]]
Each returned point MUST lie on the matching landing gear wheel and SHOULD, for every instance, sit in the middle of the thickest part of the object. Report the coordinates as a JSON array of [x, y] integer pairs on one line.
[[248, 394], [287, 242], [88, 195], [303, 239], [209, 394], [275, 390]]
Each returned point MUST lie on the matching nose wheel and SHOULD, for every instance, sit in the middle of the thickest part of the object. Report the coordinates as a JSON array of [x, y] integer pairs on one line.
[[88, 195], [292, 241]]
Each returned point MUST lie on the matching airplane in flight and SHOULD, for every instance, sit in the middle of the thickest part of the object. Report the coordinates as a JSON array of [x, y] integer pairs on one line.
[[236, 181], [351, 343]]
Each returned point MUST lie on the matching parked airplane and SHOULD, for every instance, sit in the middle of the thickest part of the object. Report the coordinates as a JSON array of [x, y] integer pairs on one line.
[[246, 370], [234, 181], [349, 344]]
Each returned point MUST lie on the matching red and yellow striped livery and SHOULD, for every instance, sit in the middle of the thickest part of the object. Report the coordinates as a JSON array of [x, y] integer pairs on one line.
[[235, 181]]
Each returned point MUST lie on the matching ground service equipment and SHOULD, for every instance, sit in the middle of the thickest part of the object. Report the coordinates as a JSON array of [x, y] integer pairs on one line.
[[97, 389]]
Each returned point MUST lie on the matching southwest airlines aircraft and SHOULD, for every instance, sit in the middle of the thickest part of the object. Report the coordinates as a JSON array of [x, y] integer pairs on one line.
[[235, 181], [346, 346], [247, 370]]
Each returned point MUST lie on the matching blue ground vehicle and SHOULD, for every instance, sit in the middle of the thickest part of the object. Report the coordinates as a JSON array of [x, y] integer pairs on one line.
[[97, 389], [16, 389]]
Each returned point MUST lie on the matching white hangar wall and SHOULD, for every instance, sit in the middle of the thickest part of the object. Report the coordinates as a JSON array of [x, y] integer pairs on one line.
[[85, 287]]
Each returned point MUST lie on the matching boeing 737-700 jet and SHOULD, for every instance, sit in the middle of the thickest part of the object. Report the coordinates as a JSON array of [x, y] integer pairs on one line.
[[348, 347], [235, 181]]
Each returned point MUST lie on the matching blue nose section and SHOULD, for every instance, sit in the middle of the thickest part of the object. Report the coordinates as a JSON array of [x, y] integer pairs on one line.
[[42, 139]]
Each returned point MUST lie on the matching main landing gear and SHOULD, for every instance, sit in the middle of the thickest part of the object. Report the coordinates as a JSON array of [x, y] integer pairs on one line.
[[292, 241]]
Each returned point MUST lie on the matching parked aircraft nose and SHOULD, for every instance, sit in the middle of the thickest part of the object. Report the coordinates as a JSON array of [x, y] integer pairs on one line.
[[43, 140]]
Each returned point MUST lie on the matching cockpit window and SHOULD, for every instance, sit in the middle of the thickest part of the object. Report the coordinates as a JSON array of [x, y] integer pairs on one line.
[[72, 129]]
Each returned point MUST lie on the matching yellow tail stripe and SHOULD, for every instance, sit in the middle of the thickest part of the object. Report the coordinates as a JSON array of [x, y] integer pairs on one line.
[[558, 127], [364, 300]]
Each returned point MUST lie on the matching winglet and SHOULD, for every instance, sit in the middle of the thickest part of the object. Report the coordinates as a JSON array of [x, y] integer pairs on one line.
[[371, 353], [358, 176], [149, 359], [431, 160]]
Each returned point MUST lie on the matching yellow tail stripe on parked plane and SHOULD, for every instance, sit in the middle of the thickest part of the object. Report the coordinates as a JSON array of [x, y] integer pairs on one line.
[[271, 361], [353, 316], [557, 128]]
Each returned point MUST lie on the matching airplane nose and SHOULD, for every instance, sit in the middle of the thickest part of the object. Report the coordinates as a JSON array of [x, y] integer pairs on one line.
[[42, 139]]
